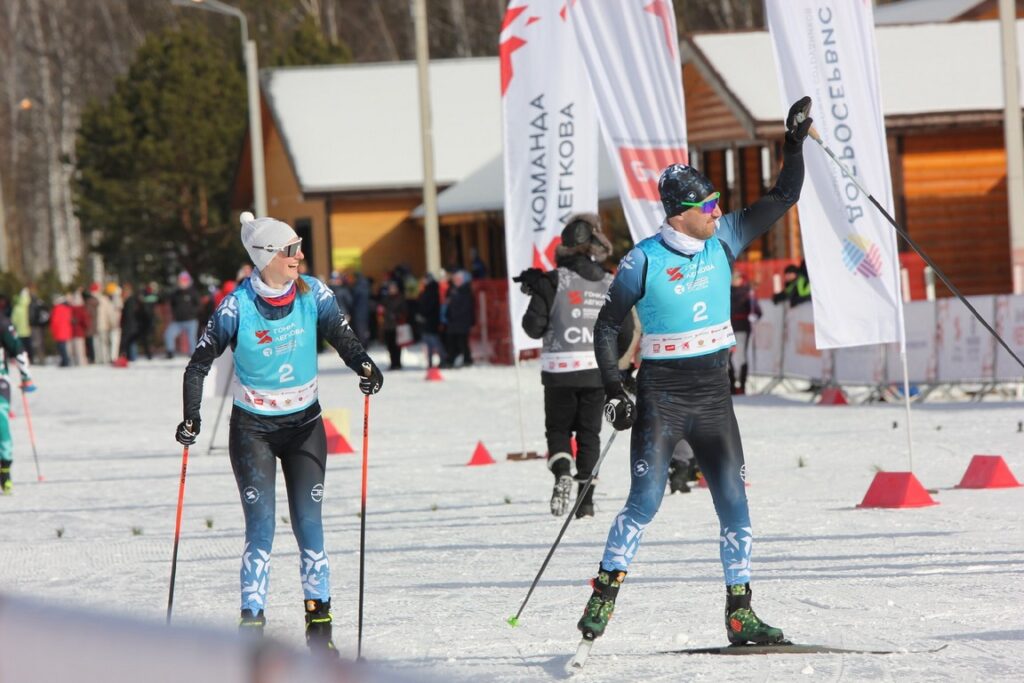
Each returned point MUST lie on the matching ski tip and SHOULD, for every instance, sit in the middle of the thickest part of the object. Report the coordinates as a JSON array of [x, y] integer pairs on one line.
[[513, 621]]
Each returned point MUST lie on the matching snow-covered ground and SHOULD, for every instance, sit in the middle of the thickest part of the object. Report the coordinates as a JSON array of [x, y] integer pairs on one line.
[[452, 550]]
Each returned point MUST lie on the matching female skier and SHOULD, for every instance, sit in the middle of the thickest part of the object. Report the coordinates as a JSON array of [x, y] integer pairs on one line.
[[271, 322]]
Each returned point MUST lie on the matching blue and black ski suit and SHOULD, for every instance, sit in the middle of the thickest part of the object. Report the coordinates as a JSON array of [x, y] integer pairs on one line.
[[276, 415], [683, 383]]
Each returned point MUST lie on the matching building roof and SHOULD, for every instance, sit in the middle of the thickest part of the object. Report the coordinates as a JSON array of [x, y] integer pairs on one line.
[[923, 11], [925, 69], [484, 189], [356, 126]]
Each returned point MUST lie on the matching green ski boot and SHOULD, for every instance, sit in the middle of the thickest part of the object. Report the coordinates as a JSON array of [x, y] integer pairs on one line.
[[6, 485], [318, 628], [251, 625], [601, 604], [741, 624]]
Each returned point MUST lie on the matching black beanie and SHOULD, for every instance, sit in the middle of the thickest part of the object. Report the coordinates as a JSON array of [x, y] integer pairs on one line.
[[681, 183]]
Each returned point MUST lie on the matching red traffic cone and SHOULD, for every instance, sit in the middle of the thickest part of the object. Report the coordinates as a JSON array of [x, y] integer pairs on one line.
[[833, 396], [896, 490], [988, 472], [702, 482], [434, 375], [480, 456], [336, 442]]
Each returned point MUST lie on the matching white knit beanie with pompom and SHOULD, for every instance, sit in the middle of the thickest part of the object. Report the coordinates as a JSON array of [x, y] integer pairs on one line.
[[259, 234]]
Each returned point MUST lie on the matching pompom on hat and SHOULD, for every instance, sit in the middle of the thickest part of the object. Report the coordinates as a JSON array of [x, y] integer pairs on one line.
[[262, 237]]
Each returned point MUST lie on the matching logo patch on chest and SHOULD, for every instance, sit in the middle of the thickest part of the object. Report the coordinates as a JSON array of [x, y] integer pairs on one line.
[[674, 273], [264, 337]]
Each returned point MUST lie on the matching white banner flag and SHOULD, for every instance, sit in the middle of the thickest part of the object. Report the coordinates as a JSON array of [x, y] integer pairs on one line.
[[632, 56], [826, 49], [551, 147]]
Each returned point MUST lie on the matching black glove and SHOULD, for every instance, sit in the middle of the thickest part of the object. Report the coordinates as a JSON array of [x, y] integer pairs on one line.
[[371, 380], [534, 281], [619, 409], [187, 431], [798, 120]]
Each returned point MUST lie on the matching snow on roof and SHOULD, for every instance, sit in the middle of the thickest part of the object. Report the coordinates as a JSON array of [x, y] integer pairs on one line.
[[356, 126], [484, 189], [928, 68], [922, 11]]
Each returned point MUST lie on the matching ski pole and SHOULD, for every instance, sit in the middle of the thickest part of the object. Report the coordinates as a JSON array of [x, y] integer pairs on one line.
[[31, 434], [514, 620], [220, 412], [177, 530], [903, 233], [362, 523]]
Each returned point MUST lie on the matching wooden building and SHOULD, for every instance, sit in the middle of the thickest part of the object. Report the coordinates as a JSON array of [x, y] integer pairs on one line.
[[343, 160], [343, 156], [943, 104]]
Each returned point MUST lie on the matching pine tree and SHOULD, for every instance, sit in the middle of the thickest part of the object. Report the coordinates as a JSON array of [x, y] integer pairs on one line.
[[157, 159]]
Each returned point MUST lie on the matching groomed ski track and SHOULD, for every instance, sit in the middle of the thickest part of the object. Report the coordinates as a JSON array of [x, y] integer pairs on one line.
[[452, 549]]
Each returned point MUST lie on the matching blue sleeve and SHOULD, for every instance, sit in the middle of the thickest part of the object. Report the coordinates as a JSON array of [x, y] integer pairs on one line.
[[626, 289]]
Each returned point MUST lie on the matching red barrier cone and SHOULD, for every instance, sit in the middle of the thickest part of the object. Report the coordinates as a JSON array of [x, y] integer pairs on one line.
[[988, 472], [702, 482], [833, 396], [896, 490], [336, 442], [480, 456], [434, 375]]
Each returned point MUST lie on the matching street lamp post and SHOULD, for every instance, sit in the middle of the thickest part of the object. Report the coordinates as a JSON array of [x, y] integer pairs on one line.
[[259, 183]]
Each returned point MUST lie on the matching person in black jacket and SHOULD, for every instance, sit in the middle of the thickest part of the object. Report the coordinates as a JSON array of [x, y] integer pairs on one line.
[[185, 303], [796, 286], [564, 304], [428, 315], [744, 310], [460, 316]]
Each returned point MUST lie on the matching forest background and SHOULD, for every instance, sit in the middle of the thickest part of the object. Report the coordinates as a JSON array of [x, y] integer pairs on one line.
[[122, 121]]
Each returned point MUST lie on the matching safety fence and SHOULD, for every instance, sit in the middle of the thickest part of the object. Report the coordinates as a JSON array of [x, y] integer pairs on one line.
[[945, 345]]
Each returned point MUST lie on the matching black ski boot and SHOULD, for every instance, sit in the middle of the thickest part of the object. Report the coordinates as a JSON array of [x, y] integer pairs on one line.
[[678, 474], [586, 506], [251, 625], [560, 465], [6, 485], [318, 627], [601, 604], [741, 624]]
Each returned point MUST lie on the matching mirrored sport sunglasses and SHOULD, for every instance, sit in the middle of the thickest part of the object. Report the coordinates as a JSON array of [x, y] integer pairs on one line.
[[288, 250], [706, 206]]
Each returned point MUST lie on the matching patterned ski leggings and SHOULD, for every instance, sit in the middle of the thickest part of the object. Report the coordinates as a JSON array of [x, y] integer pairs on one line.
[[254, 450], [674, 404]]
